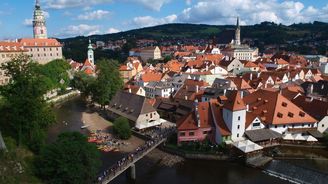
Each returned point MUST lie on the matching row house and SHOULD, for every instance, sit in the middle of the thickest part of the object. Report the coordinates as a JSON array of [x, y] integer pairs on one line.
[[197, 125], [135, 108], [130, 69], [142, 79], [159, 89]]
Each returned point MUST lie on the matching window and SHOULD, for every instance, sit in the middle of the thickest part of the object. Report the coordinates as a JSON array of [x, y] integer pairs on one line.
[[237, 135], [238, 127], [182, 134], [284, 104], [290, 114], [322, 125], [256, 124], [191, 133], [279, 115], [238, 118], [276, 126], [302, 114], [284, 126]]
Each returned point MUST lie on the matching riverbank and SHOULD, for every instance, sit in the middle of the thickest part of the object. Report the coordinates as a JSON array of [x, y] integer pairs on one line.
[[64, 97], [93, 122]]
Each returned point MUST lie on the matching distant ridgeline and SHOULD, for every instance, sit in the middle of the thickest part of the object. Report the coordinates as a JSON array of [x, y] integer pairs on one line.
[[259, 35]]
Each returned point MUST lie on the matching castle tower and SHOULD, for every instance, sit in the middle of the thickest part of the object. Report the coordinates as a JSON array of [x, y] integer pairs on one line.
[[237, 34], [90, 53], [39, 22]]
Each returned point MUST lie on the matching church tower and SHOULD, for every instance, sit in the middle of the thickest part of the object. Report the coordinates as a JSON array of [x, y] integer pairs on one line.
[[237, 34], [39, 22], [90, 53]]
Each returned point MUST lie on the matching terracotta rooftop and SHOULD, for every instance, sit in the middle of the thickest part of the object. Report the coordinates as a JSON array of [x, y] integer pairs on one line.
[[11, 47], [273, 108], [189, 122], [235, 101], [38, 42]]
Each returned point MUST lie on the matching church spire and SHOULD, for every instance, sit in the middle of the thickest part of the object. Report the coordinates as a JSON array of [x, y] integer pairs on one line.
[[237, 34], [91, 53]]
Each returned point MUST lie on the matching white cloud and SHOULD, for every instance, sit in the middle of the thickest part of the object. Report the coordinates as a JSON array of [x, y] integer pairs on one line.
[[28, 22], [79, 30], [251, 12], [112, 30], [147, 21], [188, 2], [94, 15], [62, 4], [46, 14], [151, 4]]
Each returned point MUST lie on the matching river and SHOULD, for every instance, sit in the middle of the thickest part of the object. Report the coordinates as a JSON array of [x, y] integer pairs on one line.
[[150, 171]]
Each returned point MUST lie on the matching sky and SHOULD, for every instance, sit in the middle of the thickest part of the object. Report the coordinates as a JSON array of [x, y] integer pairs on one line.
[[68, 18]]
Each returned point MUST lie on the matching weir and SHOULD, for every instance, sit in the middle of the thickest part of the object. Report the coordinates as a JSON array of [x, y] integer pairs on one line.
[[294, 173]]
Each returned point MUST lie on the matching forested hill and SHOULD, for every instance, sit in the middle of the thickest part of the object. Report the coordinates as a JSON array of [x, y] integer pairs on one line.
[[266, 33]]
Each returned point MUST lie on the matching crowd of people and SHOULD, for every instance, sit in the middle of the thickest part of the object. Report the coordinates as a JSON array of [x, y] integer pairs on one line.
[[156, 135], [105, 141]]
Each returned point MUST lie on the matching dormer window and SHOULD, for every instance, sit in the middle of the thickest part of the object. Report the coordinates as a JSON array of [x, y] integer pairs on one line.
[[290, 114], [302, 114], [284, 104], [279, 115]]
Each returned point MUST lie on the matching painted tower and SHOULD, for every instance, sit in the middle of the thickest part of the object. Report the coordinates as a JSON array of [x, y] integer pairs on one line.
[[234, 114], [39, 22], [237, 34], [90, 53]]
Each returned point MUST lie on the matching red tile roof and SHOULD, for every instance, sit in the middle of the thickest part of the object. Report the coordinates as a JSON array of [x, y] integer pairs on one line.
[[273, 108], [38, 42], [151, 76], [235, 101], [189, 122], [11, 47], [217, 113]]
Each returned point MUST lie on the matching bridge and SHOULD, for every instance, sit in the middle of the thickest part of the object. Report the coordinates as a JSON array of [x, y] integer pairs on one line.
[[128, 163]]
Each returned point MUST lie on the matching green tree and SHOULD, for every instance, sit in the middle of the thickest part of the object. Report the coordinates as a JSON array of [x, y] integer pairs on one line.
[[71, 159], [107, 83], [83, 83], [56, 72], [122, 128], [25, 114]]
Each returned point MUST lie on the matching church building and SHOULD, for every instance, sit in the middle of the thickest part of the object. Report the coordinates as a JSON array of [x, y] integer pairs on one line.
[[239, 51]]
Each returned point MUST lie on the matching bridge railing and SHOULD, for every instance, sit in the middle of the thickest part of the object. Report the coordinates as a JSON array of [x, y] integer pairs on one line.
[[133, 157]]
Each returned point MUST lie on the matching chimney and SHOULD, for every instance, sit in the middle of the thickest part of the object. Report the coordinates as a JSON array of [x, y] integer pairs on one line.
[[242, 94], [186, 97], [266, 85], [197, 88], [247, 107], [130, 91], [251, 76], [311, 89], [197, 113]]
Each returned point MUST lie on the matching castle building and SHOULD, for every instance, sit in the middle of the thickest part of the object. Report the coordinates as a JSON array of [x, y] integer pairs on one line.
[[41, 48], [237, 50], [39, 22], [8, 50]]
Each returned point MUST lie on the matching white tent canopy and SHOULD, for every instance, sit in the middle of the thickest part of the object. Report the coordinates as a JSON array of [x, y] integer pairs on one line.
[[247, 146]]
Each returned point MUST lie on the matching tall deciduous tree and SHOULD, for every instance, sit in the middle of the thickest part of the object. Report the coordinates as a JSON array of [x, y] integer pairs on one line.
[[25, 114], [108, 81], [56, 72], [71, 159]]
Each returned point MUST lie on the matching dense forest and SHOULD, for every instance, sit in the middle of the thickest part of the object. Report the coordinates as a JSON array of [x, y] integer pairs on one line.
[[304, 38]]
